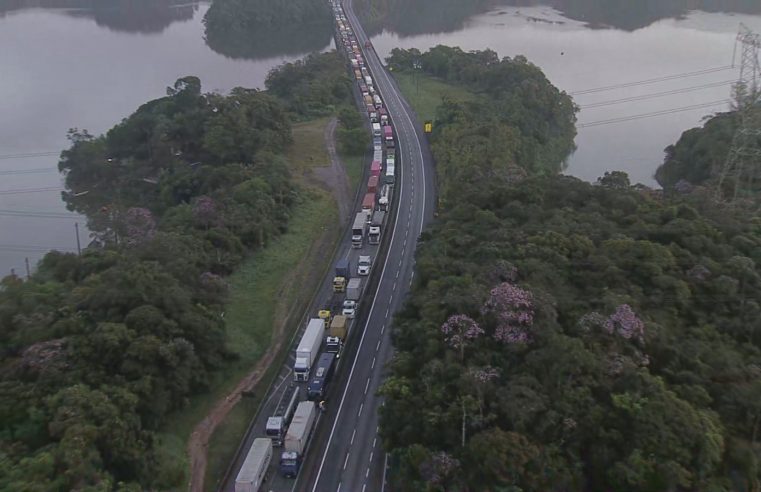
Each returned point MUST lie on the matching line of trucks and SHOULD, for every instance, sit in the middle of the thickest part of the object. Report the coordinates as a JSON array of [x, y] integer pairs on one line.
[[293, 421]]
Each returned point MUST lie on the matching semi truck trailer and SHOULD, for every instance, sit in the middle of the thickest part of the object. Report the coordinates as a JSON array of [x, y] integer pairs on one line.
[[278, 423], [254, 470], [358, 229], [297, 438], [308, 348]]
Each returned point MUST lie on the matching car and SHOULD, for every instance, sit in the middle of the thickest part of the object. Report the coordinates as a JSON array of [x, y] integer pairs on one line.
[[363, 265], [350, 309]]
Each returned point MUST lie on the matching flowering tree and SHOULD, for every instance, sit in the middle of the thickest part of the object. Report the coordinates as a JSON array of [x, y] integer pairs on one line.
[[514, 309], [625, 323], [459, 330], [139, 225], [205, 211], [438, 468]]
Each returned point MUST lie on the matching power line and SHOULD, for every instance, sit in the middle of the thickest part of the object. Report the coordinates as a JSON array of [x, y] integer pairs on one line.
[[29, 154], [39, 214], [30, 190], [656, 94], [37, 170], [655, 113], [651, 81]]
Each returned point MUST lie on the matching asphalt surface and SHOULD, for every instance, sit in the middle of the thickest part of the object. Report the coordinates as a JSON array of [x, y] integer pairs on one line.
[[345, 452]]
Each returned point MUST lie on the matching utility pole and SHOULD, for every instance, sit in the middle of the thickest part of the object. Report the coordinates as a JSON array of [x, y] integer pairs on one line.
[[28, 272], [742, 168], [76, 231]]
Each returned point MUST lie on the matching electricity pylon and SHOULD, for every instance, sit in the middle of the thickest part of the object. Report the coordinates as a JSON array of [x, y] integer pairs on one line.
[[742, 167]]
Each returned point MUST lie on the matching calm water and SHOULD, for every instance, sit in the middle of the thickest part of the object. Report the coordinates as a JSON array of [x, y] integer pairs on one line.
[[576, 57], [90, 63], [89, 68]]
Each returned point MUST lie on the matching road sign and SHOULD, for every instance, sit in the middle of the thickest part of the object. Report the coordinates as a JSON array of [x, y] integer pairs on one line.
[[428, 126]]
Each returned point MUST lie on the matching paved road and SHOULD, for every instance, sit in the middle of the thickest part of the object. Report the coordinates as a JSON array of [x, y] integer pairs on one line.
[[345, 452], [351, 457]]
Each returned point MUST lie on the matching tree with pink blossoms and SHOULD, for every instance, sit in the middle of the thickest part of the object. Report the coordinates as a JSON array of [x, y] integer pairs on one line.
[[513, 308], [459, 330], [139, 226], [625, 323], [205, 211]]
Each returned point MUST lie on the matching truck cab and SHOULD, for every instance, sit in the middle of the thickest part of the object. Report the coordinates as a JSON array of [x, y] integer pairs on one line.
[[349, 308], [364, 263], [290, 462]]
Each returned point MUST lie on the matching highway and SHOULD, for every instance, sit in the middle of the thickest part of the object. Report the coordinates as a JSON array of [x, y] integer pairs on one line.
[[353, 459], [345, 452]]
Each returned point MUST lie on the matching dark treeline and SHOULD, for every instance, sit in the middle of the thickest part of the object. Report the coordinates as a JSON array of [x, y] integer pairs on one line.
[[98, 350], [563, 336], [266, 28], [414, 17], [140, 16]]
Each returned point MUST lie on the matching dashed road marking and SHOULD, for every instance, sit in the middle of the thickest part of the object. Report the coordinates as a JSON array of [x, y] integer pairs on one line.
[[353, 435], [372, 366], [367, 385], [347, 459], [361, 406]]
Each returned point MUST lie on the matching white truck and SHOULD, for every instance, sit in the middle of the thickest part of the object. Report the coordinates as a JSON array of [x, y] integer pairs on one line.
[[373, 236], [297, 438], [278, 423], [365, 262], [308, 348], [254, 470], [385, 197], [358, 229], [354, 289], [376, 130]]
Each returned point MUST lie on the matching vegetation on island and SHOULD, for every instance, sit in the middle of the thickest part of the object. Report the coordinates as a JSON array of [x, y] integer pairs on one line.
[[562, 335], [100, 350]]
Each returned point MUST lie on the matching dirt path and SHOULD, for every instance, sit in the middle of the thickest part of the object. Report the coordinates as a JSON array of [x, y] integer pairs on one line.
[[334, 176]]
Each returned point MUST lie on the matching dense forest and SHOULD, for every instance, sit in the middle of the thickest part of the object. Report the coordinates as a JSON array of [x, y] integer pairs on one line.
[[98, 350], [565, 336], [263, 28]]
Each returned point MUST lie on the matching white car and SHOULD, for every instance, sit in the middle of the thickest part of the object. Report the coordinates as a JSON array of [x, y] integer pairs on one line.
[[363, 265], [350, 309]]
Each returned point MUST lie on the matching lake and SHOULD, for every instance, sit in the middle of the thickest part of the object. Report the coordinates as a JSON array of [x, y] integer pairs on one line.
[[90, 63], [70, 64]]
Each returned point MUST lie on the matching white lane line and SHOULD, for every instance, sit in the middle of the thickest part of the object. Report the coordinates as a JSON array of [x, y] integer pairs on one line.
[[363, 486], [385, 467], [347, 459], [361, 406], [387, 313], [397, 274], [372, 366], [383, 328], [394, 286], [371, 456], [367, 473], [339, 487], [367, 385], [374, 440], [353, 434]]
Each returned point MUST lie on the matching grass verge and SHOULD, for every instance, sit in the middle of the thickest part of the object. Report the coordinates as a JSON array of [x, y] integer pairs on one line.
[[256, 288], [353, 165], [425, 93]]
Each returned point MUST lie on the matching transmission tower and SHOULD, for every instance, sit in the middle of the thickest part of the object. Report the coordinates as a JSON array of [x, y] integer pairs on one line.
[[742, 167]]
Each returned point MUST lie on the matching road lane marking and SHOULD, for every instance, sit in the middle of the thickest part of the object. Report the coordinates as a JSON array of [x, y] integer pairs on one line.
[[367, 385], [374, 440], [371, 456], [373, 365], [361, 406], [347, 459], [367, 472], [383, 328], [353, 434], [377, 345]]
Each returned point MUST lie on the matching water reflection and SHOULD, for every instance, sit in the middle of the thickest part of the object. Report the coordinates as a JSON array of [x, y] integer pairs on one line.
[[134, 16], [415, 17], [266, 28]]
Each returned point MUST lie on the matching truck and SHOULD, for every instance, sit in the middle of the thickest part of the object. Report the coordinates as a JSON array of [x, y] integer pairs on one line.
[[365, 262], [368, 80], [390, 160], [377, 144], [375, 168], [323, 373], [372, 113], [253, 472], [278, 423], [297, 438], [339, 327], [383, 115], [378, 155], [385, 197], [368, 203], [369, 102], [390, 174], [376, 128], [307, 350], [342, 273], [372, 184], [378, 101], [354, 289], [388, 134], [358, 229], [373, 236]]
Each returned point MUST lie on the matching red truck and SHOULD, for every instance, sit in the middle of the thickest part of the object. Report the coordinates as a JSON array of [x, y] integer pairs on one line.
[[375, 168], [368, 204], [372, 184]]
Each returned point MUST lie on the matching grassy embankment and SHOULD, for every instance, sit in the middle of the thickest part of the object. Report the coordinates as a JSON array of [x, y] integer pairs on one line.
[[425, 93], [272, 281]]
